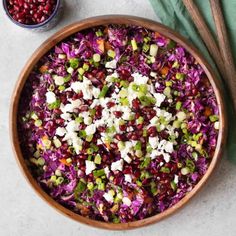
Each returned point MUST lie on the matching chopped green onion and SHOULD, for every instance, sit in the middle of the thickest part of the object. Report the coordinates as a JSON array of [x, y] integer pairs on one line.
[[111, 53], [153, 50], [54, 105], [81, 186], [175, 64], [173, 185], [58, 172], [165, 170], [74, 63], [167, 92], [214, 118], [140, 120], [168, 83], [61, 87], [178, 105], [101, 186], [195, 156], [90, 185], [124, 83], [103, 91], [89, 138], [98, 173], [59, 180], [79, 119], [134, 44], [67, 78], [138, 146], [82, 133], [190, 164], [41, 161], [96, 57], [81, 71], [99, 33], [145, 163], [34, 116], [85, 67], [97, 159], [147, 100], [185, 171], [145, 47], [180, 76], [53, 178], [57, 142], [38, 123], [176, 124], [124, 101]]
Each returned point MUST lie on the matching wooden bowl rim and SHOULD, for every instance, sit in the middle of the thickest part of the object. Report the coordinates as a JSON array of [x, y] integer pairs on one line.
[[104, 20]]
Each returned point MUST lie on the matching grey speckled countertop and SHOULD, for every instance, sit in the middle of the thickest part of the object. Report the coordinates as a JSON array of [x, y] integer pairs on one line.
[[22, 213]]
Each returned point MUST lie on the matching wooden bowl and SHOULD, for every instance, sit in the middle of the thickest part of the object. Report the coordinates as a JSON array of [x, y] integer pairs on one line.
[[103, 20]]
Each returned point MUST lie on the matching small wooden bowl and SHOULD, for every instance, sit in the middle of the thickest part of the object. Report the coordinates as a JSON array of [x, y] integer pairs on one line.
[[103, 20]]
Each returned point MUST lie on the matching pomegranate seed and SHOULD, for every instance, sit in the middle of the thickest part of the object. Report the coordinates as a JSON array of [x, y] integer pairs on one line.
[[117, 113], [110, 104], [152, 131], [136, 104], [123, 127]]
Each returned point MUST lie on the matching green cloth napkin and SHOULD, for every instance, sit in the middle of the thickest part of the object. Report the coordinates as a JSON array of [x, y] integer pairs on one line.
[[174, 14]]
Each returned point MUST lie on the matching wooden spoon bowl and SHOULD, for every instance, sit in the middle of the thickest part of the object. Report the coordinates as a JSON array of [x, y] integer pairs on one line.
[[104, 20]]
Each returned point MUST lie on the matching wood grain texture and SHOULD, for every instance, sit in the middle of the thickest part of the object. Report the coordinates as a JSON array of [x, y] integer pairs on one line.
[[205, 34], [104, 20], [225, 49]]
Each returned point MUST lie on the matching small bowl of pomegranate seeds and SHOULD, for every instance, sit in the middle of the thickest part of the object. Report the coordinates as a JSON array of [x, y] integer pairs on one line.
[[117, 121], [38, 15]]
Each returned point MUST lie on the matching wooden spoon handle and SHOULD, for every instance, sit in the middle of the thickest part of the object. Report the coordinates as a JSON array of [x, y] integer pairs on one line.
[[205, 34], [225, 48]]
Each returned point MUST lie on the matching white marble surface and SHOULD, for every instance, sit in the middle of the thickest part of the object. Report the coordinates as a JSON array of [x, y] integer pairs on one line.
[[22, 213]]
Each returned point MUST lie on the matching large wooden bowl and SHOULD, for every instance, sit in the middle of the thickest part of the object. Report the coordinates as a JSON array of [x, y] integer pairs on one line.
[[102, 20]]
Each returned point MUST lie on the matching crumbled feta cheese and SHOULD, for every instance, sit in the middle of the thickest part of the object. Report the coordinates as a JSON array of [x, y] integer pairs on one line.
[[96, 92], [128, 178], [85, 86], [72, 126], [50, 97], [70, 70], [176, 179], [159, 98], [126, 158], [65, 116], [181, 116], [154, 154], [217, 125], [126, 201], [107, 171], [60, 131], [153, 74], [108, 196], [59, 80], [111, 64], [166, 157], [117, 165], [153, 141], [154, 120], [91, 129], [139, 78], [109, 78], [94, 103], [89, 167], [169, 147]]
